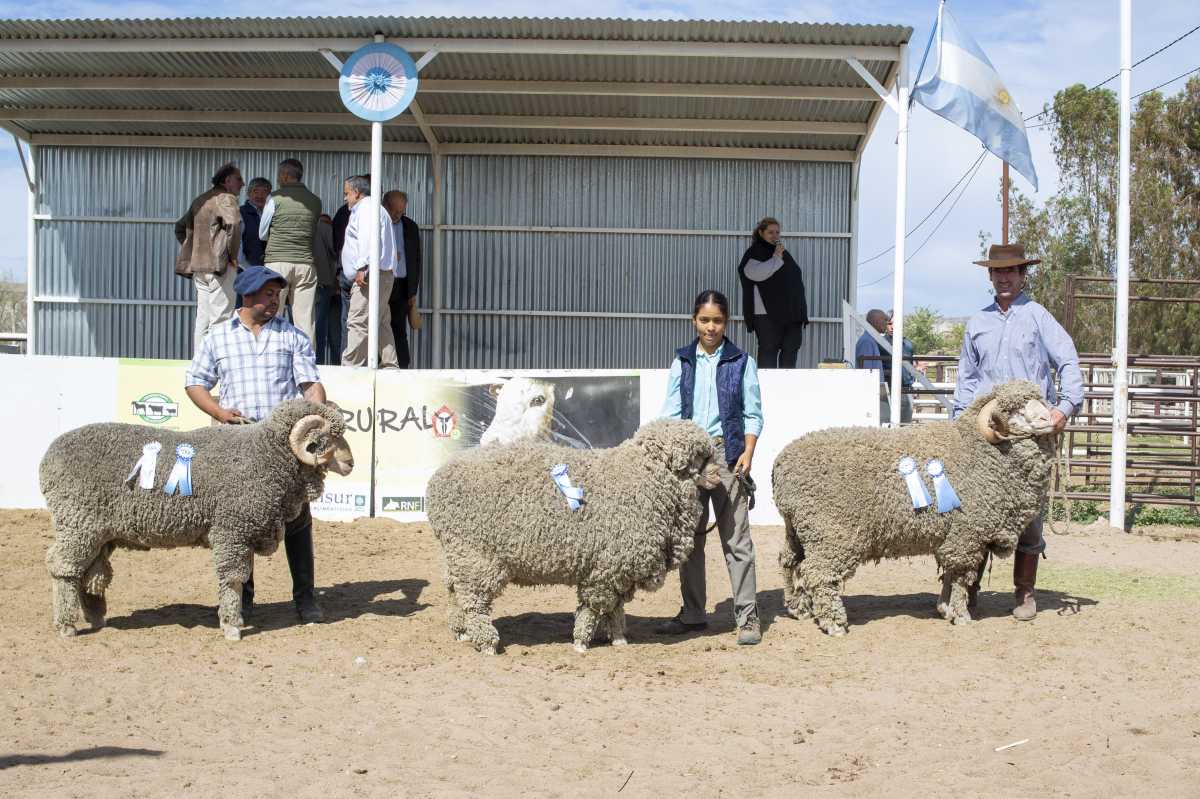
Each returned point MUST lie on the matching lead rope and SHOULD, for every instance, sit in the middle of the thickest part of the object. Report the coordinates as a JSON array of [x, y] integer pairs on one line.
[[1058, 487]]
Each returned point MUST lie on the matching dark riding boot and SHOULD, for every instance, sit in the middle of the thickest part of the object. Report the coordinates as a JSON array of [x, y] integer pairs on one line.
[[1025, 568], [298, 543]]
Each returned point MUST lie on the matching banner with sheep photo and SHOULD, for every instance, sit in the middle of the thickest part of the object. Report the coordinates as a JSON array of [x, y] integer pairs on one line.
[[425, 417]]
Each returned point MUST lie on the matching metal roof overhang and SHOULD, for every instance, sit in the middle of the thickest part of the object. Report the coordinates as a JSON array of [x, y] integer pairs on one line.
[[773, 91]]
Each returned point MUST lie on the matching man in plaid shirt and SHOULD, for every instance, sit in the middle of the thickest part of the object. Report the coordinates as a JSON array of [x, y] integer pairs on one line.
[[259, 360]]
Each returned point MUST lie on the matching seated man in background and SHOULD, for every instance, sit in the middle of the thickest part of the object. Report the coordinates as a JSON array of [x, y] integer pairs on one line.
[[867, 355]]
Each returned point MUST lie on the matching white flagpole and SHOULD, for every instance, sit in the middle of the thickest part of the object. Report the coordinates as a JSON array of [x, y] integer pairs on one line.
[[901, 212], [1120, 410], [373, 242]]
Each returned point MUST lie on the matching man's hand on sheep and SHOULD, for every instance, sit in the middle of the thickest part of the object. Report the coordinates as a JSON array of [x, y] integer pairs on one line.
[[1060, 420]]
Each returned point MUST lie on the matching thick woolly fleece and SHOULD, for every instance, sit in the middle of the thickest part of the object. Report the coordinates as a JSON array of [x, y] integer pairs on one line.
[[501, 519], [246, 483], [844, 503]]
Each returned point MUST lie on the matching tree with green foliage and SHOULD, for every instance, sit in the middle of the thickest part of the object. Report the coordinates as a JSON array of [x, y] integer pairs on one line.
[[1074, 231], [920, 327]]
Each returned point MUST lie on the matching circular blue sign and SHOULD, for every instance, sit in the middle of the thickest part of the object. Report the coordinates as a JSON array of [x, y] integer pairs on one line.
[[378, 82]]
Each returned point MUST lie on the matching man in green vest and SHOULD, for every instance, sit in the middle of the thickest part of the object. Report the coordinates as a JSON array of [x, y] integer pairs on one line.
[[288, 226]]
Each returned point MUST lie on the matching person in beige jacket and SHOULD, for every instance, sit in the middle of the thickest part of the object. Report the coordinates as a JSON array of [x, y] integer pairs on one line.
[[210, 237]]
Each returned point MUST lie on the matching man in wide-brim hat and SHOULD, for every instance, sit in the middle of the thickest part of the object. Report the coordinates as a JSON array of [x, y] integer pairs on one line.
[[1015, 338]]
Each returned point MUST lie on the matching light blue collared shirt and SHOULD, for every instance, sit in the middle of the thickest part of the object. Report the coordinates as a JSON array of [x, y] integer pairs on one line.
[[705, 410], [1020, 344]]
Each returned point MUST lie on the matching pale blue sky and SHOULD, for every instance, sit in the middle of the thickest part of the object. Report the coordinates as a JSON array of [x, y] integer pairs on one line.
[[1038, 47]]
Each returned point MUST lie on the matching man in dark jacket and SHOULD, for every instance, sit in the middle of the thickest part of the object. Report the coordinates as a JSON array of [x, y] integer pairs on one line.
[[253, 248], [408, 271]]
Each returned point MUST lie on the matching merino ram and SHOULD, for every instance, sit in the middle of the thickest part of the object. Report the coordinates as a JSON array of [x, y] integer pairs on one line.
[[844, 503], [248, 480], [501, 519]]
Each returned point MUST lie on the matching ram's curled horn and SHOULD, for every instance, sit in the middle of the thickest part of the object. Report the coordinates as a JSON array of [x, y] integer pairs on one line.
[[989, 433], [298, 438]]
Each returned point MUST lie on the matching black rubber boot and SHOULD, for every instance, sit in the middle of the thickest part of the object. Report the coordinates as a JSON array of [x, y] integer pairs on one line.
[[298, 543]]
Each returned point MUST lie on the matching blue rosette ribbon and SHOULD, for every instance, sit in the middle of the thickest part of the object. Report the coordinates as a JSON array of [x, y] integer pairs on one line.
[[561, 479], [145, 466], [181, 472], [912, 480], [947, 500]]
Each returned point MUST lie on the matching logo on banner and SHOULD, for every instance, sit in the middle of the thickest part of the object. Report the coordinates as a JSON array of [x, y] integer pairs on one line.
[[155, 408], [445, 423], [404, 504], [344, 502]]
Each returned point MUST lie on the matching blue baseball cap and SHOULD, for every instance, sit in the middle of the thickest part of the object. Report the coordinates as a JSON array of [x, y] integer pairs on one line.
[[254, 278]]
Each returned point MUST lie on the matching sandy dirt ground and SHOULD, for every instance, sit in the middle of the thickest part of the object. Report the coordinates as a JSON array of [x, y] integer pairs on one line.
[[379, 701]]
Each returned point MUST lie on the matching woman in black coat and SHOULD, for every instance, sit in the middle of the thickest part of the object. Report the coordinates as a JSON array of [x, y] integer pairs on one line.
[[773, 301]]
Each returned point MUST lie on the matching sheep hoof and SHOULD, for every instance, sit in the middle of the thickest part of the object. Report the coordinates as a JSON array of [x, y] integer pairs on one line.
[[232, 633], [943, 610], [488, 649], [836, 630], [619, 642], [581, 647], [463, 637], [68, 631], [965, 619]]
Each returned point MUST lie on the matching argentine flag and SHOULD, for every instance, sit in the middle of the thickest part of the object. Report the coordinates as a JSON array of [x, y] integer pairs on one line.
[[966, 89]]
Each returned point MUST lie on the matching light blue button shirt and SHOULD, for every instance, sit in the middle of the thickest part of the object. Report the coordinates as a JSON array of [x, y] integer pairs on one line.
[[1022, 343], [705, 409]]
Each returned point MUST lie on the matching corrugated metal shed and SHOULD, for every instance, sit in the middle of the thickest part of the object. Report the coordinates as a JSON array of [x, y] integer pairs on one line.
[[539, 252]]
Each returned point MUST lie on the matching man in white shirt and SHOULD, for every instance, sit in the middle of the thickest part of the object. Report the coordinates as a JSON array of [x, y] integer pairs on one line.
[[356, 266]]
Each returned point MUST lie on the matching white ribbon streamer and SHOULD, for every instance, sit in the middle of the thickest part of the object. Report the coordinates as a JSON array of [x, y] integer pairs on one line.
[[912, 480], [146, 465], [181, 472], [947, 499], [573, 494]]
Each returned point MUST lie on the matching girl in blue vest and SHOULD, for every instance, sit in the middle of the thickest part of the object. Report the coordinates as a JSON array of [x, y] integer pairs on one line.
[[715, 384]]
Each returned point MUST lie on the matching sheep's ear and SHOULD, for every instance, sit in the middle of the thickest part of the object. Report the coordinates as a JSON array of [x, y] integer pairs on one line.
[[303, 438], [494, 390], [992, 424]]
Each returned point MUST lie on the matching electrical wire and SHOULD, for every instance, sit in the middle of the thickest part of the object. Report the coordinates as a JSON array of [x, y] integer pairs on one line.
[[945, 197], [973, 171], [1135, 64]]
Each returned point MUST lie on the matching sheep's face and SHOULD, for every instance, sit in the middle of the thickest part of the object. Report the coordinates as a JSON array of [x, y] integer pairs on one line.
[[699, 462], [707, 474], [1031, 420], [524, 409], [316, 443]]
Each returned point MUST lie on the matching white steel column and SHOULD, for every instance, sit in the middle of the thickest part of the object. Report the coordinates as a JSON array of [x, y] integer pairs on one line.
[[852, 288], [1120, 411], [439, 163], [31, 252], [901, 209], [372, 222]]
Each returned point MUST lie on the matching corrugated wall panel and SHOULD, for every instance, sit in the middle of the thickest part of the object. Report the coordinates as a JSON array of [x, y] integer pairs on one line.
[[160, 182], [122, 260], [647, 193], [625, 272], [517, 271]]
